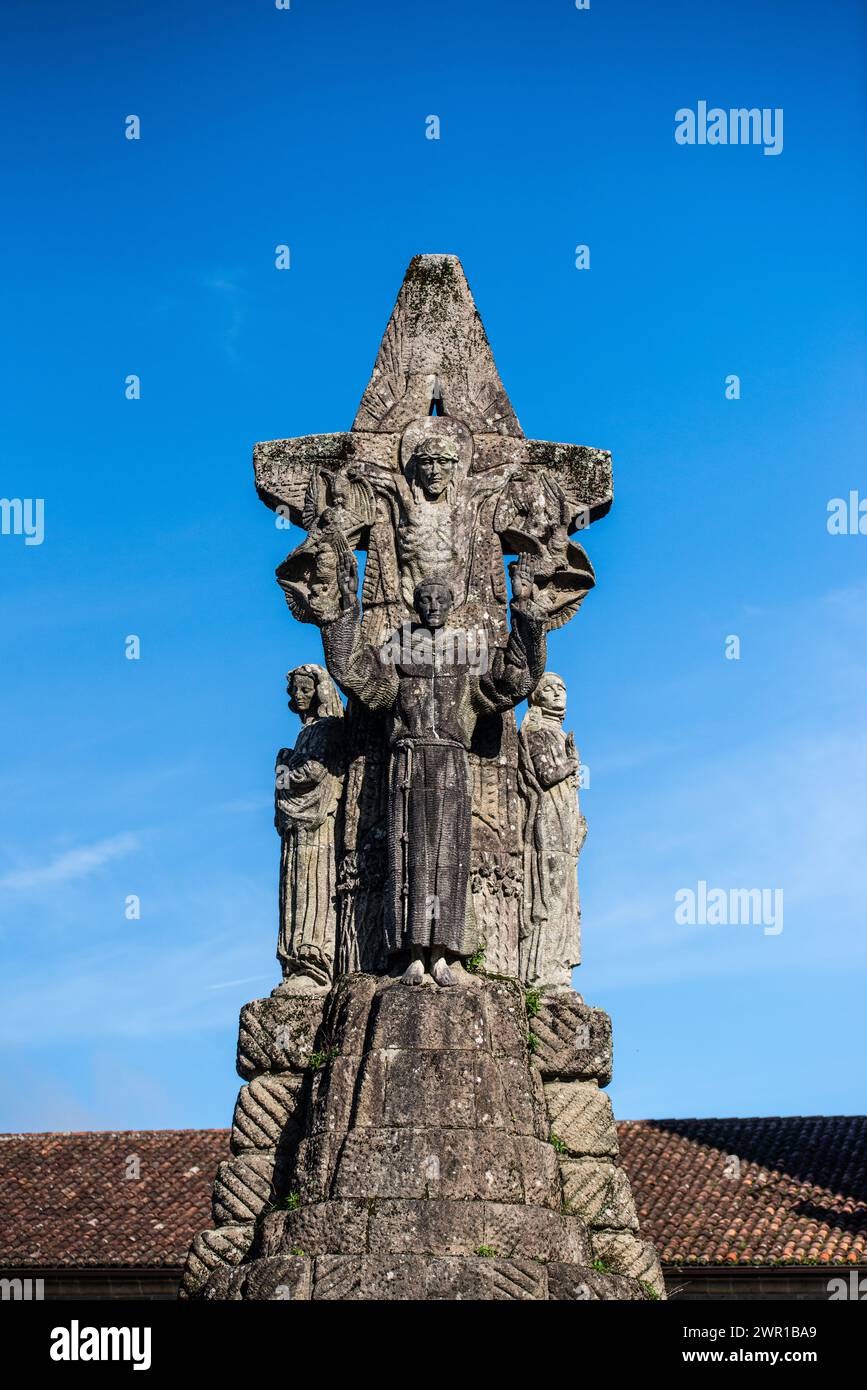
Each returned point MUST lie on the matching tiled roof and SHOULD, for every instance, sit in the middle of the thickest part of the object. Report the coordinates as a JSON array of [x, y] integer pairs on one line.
[[708, 1192], [790, 1190], [67, 1199]]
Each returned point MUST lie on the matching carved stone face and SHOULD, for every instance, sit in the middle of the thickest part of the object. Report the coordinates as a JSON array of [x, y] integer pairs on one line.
[[550, 696], [339, 490], [433, 602], [435, 462], [302, 692]]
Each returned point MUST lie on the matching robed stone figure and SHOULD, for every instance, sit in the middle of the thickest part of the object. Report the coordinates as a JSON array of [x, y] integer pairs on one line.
[[308, 784], [434, 692], [554, 832]]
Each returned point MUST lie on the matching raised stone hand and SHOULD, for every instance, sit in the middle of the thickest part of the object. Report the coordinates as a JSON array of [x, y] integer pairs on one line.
[[347, 578], [523, 577]]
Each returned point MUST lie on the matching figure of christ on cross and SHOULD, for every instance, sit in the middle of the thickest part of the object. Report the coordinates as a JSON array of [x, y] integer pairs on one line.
[[434, 701]]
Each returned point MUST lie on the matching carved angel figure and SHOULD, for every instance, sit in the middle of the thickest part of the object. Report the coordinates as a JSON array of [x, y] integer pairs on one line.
[[554, 832], [308, 784], [532, 517], [338, 506]]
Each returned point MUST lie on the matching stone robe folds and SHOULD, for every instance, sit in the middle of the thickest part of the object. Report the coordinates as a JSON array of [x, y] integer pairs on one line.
[[434, 704], [554, 833], [309, 779]]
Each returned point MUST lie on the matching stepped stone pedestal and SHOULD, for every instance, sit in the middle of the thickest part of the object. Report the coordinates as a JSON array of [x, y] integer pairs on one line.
[[397, 1142], [445, 1135]]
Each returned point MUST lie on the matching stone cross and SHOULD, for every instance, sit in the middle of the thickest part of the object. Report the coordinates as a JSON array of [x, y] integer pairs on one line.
[[434, 359], [436, 482], [448, 1140]]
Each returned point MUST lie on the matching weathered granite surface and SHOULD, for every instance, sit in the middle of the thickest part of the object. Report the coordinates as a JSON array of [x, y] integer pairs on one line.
[[470, 535], [420, 1154], [422, 1115], [572, 1041], [308, 785]]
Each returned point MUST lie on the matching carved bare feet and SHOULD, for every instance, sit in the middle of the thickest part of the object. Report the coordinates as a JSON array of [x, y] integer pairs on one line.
[[442, 975], [414, 973]]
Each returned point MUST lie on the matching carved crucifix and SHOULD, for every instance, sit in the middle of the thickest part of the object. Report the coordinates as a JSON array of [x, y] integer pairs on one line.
[[436, 482]]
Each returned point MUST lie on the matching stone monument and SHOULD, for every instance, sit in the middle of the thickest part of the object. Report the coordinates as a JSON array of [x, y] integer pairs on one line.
[[423, 1114]]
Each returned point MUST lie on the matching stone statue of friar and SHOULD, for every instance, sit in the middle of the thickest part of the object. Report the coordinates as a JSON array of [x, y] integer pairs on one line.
[[554, 832], [434, 693], [308, 785]]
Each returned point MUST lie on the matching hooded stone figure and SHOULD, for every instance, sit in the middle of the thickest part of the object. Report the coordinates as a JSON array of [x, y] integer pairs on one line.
[[308, 785], [434, 699]]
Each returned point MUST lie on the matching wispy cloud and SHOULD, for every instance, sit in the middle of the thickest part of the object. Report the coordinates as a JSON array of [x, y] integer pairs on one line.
[[73, 864], [754, 804], [233, 984], [232, 296], [136, 991]]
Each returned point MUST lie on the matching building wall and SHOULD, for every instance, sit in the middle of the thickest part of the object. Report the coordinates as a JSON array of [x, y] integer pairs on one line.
[[682, 1284]]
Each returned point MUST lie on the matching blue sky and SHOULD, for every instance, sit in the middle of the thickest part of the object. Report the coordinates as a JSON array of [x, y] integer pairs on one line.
[[156, 257]]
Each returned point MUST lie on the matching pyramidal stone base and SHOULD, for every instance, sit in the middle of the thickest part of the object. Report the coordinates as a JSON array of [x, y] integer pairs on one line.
[[420, 1144]]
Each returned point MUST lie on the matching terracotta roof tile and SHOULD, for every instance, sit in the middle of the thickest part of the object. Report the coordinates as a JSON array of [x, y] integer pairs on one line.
[[786, 1190], [74, 1199]]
